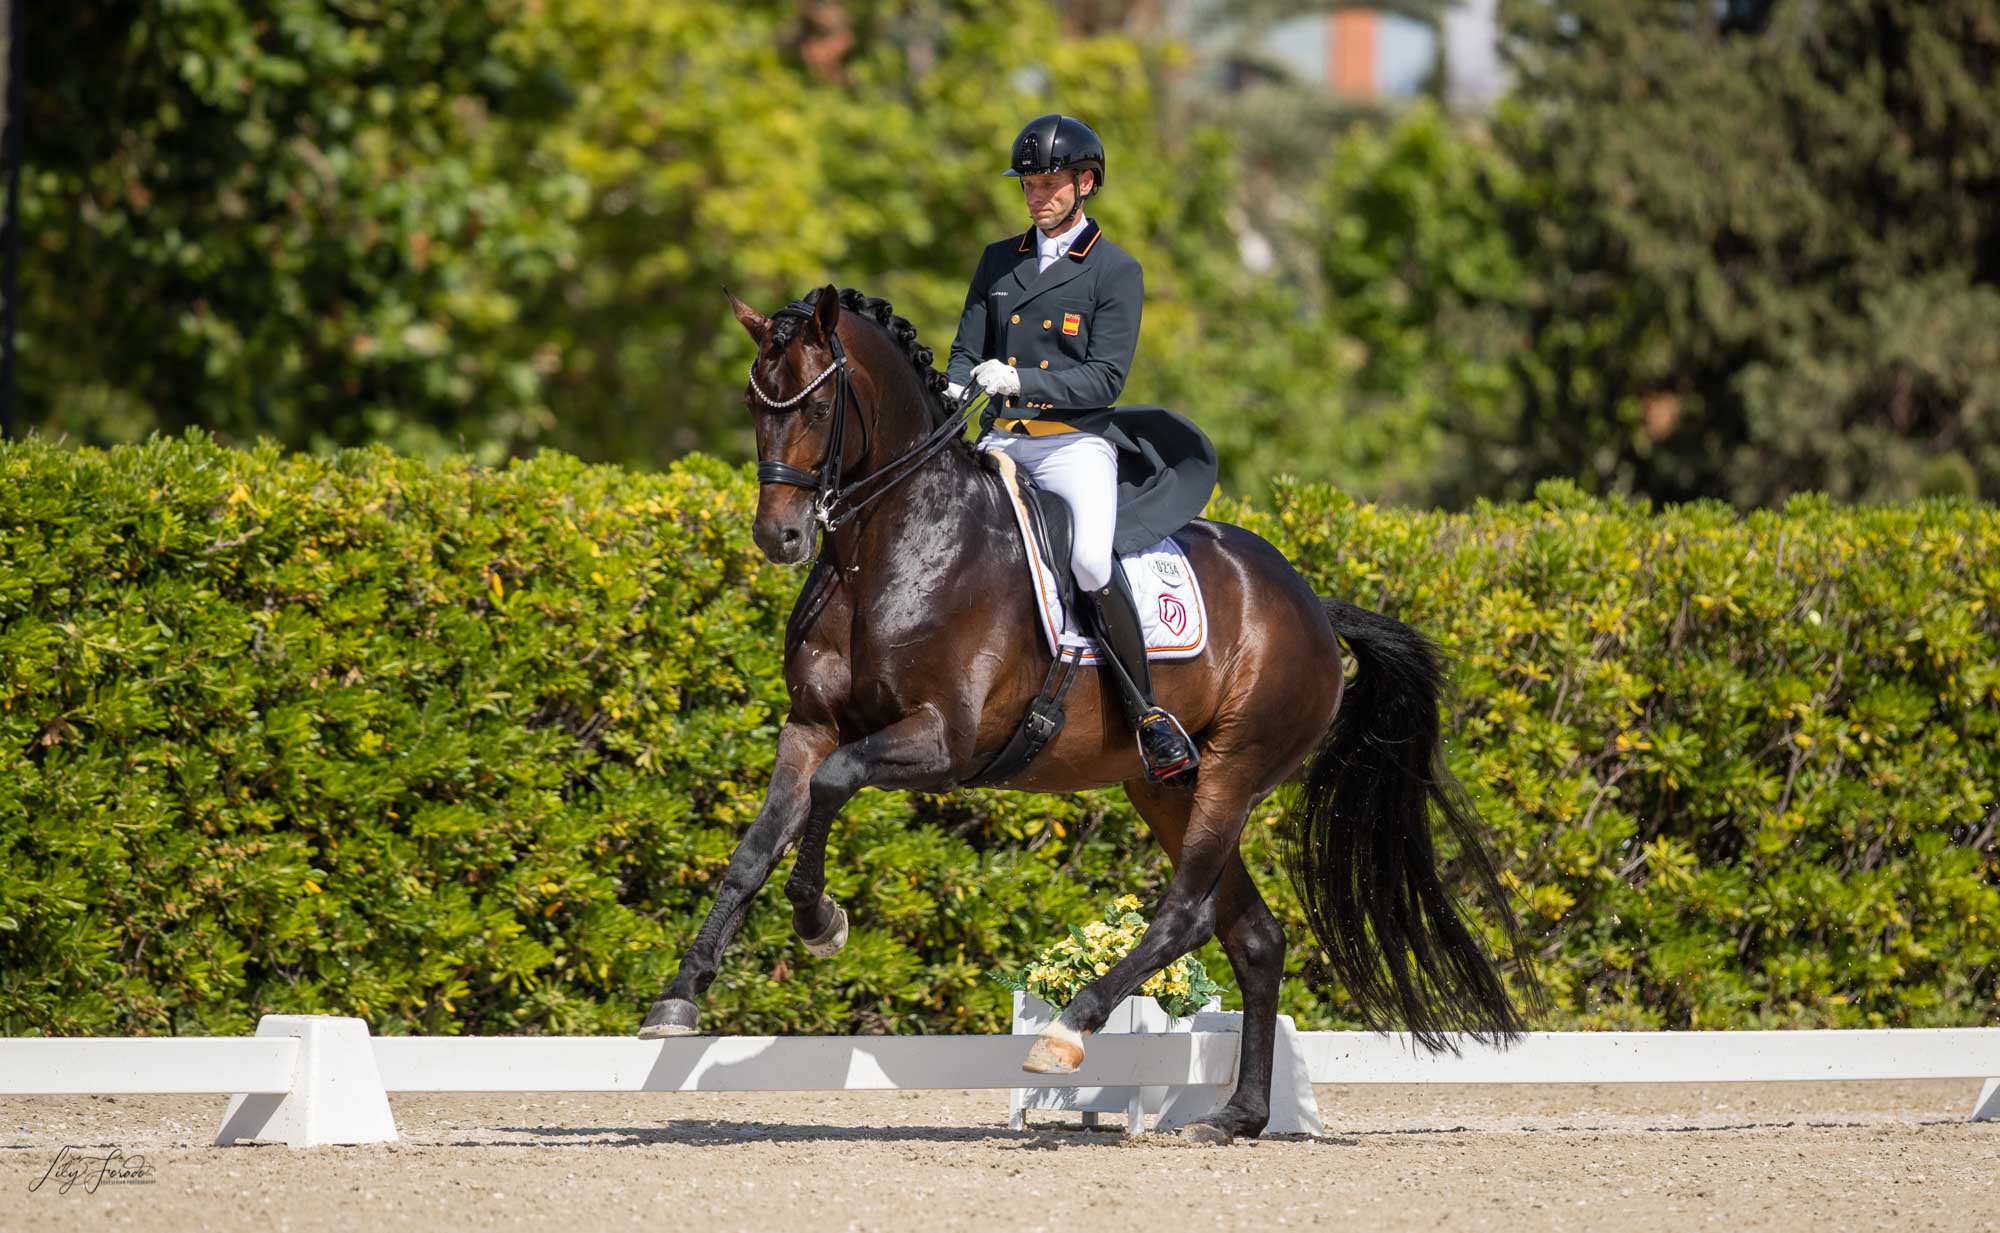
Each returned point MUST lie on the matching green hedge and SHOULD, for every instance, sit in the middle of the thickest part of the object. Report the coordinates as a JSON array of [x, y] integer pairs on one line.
[[464, 750]]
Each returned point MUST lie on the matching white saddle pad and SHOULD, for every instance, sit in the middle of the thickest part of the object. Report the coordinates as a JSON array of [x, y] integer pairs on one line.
[[1171, 610]]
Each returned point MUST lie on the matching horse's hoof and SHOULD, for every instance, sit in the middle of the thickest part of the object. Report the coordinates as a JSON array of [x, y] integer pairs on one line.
[[1206, 1134], [669, 1017], [829, 944], [1057, 1051]]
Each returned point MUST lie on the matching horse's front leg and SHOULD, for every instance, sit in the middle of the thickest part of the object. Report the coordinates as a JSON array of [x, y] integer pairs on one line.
[[910, 753], [802, 749]]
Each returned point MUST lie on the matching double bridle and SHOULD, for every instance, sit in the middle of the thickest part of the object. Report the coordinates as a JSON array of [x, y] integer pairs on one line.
[[836, 504]]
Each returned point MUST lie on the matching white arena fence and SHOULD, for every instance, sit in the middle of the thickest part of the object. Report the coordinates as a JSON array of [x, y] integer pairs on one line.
[[306, 1080]]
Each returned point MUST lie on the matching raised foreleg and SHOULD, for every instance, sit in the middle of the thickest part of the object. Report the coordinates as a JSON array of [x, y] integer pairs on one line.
[[910, 753], [807, 792]]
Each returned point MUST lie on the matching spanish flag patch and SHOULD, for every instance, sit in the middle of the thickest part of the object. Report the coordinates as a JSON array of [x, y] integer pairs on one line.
[[1072, 323]]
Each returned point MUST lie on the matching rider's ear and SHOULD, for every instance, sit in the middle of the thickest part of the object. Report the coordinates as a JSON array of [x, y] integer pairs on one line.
[[826, 314], [755, 322]]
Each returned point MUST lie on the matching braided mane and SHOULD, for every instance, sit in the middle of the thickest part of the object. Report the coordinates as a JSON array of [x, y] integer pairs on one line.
[[785, 327]]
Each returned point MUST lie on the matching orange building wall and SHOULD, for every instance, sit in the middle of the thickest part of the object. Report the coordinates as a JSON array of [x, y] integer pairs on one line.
[[1351, 35]]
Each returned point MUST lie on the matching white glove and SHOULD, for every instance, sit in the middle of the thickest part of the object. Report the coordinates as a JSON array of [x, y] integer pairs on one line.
[[954, 390], [997, 379]]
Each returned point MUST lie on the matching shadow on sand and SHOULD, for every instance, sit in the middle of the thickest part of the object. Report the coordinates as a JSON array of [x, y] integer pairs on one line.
[[713, 1133]]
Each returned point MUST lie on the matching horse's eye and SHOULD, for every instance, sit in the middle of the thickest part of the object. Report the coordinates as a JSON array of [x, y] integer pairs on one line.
[[816, 412]]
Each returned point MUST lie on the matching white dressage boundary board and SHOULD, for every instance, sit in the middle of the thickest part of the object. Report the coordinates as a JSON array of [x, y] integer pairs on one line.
[[158, 1065], [1663, 1057], [313, 1079], [785, 1063]]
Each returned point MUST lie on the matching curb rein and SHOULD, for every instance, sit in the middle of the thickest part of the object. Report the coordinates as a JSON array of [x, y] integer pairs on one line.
[[836, 505]]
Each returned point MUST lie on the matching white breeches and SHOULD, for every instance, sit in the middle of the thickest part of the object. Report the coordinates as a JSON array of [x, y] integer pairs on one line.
[[1082, 469]]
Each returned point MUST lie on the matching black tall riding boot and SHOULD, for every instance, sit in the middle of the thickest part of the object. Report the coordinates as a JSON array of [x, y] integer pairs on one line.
[[1164, 746]]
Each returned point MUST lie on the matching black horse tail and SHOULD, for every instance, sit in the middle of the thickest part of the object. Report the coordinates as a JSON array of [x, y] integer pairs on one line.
[[1357, 844]]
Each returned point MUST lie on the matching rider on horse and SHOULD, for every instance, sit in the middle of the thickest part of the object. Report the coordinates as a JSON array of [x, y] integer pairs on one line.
[[896, 681], [1050, 326]]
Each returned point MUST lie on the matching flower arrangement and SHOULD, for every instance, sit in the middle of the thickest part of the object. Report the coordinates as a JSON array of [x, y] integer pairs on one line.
[[1064, 968]]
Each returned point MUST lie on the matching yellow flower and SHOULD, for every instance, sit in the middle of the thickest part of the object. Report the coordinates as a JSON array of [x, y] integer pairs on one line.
[[1129, 903]]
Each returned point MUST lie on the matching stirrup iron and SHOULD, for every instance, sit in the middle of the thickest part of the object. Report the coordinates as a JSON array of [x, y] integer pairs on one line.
[[1178, 772]]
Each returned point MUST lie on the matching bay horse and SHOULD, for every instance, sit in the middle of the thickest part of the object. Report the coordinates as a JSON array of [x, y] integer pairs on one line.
[[914, 650]]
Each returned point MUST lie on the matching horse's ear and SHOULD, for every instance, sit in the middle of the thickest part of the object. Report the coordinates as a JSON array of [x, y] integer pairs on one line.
[[755, 322], [826, 313]]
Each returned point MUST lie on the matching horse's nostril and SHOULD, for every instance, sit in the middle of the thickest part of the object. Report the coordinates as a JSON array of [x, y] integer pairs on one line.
[[791, 535]]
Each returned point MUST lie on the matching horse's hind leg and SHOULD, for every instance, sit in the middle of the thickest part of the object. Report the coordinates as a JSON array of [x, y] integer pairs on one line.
[[1255, 943], [1183, 920], [801, 750]]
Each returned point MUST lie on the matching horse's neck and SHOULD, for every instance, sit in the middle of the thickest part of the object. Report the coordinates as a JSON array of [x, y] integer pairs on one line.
[[929, 535], [933, 493]]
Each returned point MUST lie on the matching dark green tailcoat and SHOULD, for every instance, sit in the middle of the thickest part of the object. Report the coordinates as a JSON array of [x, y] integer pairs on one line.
[[1071, 332]]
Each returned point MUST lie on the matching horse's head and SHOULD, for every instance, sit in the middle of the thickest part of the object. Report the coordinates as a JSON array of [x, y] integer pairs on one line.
[[804, 438]]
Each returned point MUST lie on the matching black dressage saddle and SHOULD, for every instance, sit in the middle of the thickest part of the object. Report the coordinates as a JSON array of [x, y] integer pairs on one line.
[[1049, 517]]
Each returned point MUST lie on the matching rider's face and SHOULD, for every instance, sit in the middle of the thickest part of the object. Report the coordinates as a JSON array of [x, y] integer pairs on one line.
[[1051, 194]]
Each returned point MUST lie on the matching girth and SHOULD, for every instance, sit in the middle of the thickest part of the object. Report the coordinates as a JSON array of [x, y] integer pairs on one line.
[[1042, 724]]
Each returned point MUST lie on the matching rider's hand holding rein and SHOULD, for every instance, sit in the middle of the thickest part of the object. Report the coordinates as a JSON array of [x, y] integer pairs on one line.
[[998, 378]]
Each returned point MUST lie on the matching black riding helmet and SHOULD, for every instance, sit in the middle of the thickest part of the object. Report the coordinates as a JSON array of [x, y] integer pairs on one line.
[[1058, 143]]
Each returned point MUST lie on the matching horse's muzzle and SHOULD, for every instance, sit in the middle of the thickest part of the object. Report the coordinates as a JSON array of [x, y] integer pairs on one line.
[[784, 541]]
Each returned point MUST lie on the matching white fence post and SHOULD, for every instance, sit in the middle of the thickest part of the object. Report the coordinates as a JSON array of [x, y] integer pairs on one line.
[[1988, 1107], [1294, 1111], [336, 1095], [1136, 1014]]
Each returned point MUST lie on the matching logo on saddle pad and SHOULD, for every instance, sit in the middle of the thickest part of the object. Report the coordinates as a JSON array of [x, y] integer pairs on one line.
[[1169, 570], [1173, 615]]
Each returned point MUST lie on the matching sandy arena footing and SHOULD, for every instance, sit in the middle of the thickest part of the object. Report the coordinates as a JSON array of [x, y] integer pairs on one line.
[[1632, 1158]]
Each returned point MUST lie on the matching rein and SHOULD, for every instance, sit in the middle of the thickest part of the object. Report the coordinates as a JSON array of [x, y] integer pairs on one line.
[[837, 504]]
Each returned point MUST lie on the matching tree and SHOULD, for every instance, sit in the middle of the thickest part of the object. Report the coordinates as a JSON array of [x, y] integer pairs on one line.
[[1766, 251], [747, 146], [1419, 276], [313, 220]]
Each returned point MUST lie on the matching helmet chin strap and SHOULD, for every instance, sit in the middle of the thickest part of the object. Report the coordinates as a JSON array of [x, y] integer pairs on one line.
[[1076, 187]]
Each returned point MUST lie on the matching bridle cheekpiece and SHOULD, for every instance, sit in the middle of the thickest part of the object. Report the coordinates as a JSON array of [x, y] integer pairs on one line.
[[835, 504]]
